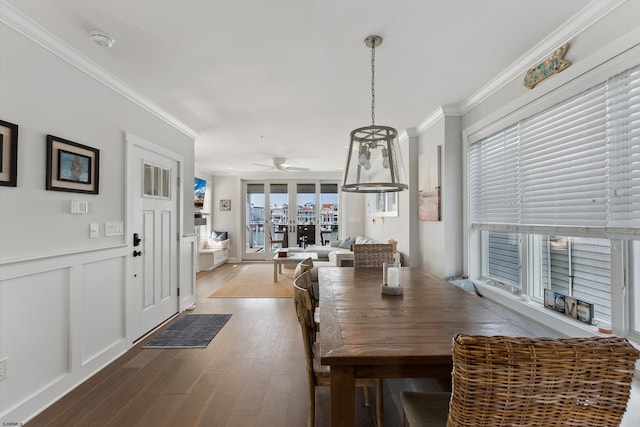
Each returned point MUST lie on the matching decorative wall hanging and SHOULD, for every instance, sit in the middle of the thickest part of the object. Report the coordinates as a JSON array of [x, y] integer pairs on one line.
[[225, 205], [71, 166], [552, 65], [8, 154], [429, 194]]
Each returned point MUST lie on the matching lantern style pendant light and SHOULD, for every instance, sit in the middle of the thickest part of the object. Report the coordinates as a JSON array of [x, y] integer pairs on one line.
[[374, 163]]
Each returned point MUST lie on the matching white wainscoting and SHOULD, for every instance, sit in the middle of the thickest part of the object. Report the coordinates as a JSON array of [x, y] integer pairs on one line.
[[63, 318], [188, 260]]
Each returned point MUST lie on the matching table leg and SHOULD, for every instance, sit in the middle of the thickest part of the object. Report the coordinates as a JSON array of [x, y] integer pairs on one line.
[[343, 400], [275, 270]]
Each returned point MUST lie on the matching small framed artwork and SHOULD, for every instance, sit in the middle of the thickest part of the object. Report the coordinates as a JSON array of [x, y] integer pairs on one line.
[[225, 205], [8, 154], [71, 166]]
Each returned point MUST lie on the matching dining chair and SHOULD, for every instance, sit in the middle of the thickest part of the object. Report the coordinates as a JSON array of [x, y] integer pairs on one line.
[[306, 282], [516, 381], [318, 374], [273, 240], [372, 254]]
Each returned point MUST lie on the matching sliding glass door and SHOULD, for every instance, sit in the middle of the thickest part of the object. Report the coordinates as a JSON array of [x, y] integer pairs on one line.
[[282, 214]]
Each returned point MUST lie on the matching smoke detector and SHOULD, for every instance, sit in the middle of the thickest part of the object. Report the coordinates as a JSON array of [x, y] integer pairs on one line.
[[102, 39]]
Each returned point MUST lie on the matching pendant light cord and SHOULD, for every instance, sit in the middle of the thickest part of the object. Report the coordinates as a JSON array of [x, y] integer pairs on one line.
[[373, 79]]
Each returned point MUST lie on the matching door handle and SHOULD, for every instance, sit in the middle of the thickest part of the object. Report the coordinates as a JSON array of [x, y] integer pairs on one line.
[[137, 253]]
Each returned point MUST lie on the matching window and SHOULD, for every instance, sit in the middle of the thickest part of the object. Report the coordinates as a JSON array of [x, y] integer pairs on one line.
[[156, 182], [503, 263], [555, 197]]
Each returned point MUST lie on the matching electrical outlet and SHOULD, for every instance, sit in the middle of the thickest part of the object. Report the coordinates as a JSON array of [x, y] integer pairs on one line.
[[3, 369]]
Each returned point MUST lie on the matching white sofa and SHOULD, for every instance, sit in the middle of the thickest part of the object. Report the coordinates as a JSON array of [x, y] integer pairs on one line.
[[337, 251]]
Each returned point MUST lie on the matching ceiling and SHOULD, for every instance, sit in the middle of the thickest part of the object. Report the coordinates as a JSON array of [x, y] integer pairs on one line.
[[255, 79]]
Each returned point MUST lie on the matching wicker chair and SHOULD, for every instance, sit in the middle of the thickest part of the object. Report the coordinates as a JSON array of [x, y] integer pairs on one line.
[[504, 381], [304, 281], [318, 374], [372, 254]]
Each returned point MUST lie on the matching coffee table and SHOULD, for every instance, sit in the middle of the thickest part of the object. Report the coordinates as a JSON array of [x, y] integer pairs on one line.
[[291, 258]]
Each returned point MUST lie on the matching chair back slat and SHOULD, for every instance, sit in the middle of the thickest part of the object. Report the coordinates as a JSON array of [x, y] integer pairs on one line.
[[304, 310], [504, 381]]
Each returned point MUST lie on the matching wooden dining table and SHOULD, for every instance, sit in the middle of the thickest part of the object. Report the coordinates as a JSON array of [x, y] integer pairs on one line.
[[367, 334]]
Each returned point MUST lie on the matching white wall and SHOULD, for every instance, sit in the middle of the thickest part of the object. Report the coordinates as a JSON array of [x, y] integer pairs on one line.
[[441, 241], [62, 295]]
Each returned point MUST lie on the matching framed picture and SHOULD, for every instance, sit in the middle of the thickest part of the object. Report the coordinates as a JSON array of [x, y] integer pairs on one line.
[[71, 166], [8, 154], [225, 205], [382, 204], [429, 195]]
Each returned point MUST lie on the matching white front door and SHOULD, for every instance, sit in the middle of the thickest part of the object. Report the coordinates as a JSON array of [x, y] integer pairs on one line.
[[153, 189]]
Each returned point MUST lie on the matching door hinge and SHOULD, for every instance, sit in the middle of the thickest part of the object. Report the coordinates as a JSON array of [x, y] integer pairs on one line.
[[178, 292], [178, 180]]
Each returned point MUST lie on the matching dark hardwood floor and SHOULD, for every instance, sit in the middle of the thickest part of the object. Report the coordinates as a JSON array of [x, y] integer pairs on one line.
[[251, 374]]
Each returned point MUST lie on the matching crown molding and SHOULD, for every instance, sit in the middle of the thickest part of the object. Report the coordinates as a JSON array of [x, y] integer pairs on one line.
[[38, 34], [440, 113], [578, 23]]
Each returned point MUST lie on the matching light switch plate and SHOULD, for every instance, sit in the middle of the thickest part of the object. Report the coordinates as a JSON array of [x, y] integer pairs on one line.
[[113, 229], [94, 230]]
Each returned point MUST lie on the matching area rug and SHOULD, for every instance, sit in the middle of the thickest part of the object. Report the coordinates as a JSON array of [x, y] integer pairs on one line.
[[190, 331], [256, 281]]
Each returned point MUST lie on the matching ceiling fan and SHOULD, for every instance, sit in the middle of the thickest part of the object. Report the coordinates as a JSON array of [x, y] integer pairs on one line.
[[280, 164]]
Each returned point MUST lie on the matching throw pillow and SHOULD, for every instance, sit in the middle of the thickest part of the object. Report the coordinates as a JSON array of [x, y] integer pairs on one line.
[[345, 244], [219, 235], [334, 243]]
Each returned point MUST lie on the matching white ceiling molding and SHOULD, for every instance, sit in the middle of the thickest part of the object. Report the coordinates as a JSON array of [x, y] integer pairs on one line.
[[33, 31], [439, 113], [588, 16]]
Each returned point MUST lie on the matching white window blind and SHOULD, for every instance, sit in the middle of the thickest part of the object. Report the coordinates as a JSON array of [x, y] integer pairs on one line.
[[563, 163], [623, 136], [493, 174], [572, 169], [579, 267], [503, 258]]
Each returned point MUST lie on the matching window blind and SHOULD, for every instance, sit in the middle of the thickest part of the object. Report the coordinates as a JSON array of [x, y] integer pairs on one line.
[[563, 163], [580, 267], [623, 136], [571, 169], [493, 174], [503, 258]]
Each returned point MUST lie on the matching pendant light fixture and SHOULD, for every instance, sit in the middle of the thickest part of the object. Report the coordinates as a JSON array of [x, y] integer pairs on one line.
[[374, 164]]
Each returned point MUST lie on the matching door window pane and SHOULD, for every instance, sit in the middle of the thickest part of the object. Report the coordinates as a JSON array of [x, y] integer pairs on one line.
[[255, 218], [278, 216], [328, 213], [306, 214]]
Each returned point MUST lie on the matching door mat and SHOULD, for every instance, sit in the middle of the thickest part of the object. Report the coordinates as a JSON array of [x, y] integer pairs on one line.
[[190, 331]]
